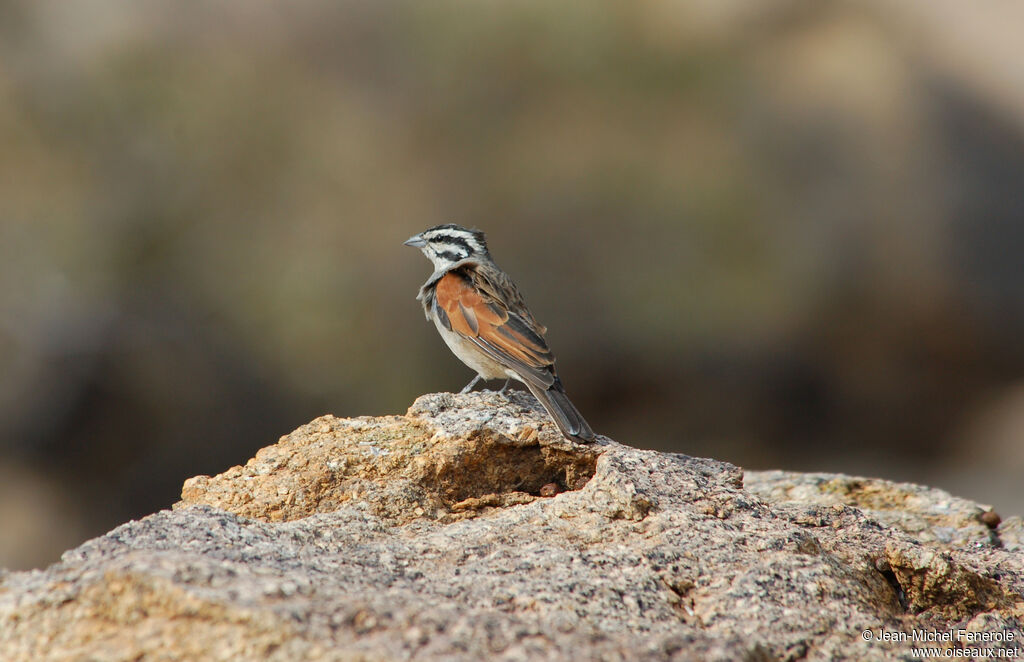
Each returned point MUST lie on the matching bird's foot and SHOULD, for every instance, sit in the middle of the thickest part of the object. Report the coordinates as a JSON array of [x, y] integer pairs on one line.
[[470, 385]]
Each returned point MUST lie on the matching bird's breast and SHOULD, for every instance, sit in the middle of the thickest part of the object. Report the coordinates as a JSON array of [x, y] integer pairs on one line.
[[472, 355]]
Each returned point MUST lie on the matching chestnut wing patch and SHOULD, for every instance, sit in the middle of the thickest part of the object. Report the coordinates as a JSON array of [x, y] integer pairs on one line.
[[501, 334]]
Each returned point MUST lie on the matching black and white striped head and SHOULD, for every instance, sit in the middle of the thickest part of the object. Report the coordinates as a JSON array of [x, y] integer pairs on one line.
[[444, 245]]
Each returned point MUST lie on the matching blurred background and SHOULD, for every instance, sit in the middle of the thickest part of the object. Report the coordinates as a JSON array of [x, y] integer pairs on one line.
[[786, 234]]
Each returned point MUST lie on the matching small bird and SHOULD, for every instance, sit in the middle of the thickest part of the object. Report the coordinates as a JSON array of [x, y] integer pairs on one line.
[[483, 319]]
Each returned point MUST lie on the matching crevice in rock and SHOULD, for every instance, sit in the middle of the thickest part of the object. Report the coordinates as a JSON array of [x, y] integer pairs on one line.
[[491, 465], [682, 601], [901, 595]]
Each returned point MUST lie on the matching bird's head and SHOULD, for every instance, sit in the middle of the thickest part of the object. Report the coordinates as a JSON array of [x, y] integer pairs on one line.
[[444, 245]]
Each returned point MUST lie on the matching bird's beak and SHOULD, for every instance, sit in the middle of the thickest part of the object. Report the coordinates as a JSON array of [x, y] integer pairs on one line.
[[415, 241]]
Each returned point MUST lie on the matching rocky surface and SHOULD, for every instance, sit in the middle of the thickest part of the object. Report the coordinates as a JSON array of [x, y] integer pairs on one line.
[[468, 530]]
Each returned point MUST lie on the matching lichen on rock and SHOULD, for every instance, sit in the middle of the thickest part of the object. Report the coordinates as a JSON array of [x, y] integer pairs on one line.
[[469, 529]]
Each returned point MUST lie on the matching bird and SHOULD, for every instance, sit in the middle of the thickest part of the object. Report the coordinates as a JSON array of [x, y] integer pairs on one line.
[[483, 319]]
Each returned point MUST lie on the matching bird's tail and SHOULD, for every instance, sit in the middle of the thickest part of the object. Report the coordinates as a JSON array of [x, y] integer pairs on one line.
[[563, 413]]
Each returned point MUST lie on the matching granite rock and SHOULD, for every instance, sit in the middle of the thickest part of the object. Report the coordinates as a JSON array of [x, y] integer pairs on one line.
[[469, 529]]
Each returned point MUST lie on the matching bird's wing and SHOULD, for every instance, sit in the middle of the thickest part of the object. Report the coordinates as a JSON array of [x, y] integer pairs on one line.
[[470, 305]]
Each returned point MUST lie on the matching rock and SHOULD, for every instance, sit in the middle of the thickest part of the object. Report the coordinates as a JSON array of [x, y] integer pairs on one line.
[[932, 516], [468, 529]]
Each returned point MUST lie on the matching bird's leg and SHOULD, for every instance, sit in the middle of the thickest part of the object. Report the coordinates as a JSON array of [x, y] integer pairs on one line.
[[505, 387], [469, 386]]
